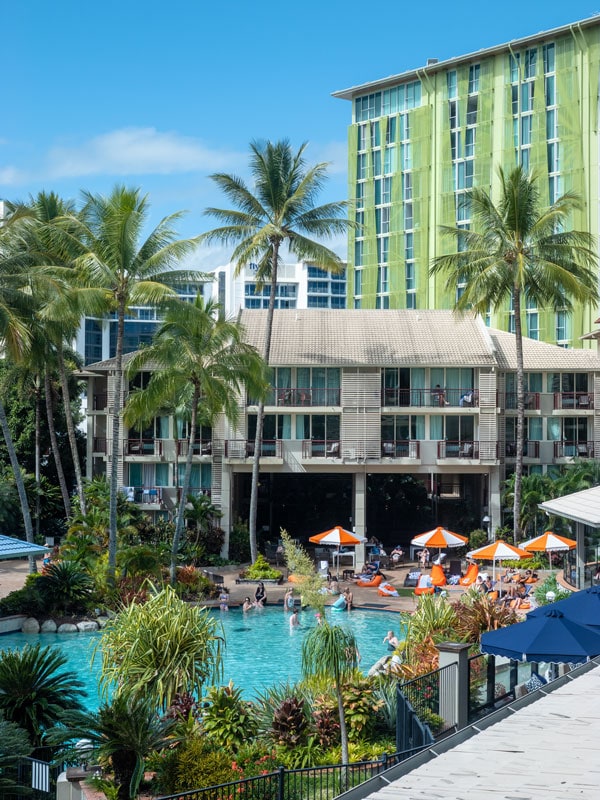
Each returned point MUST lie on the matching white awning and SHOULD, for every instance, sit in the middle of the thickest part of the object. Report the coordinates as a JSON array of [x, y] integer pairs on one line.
[[581, 507]]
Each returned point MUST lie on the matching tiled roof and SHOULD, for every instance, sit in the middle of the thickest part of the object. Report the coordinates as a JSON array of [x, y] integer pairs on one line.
[[17, 548], [371, 338], [541, 355]]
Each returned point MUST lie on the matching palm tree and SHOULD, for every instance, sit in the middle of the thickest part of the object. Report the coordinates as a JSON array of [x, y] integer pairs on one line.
[[34, 693], [124, 731], [117, 271], [330, 651], [279, 213], [519, 251], [199, 363]]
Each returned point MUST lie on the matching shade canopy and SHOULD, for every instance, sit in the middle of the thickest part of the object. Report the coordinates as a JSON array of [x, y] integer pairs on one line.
[[549, 637], [337, 536], [498, 551], [17, 548], [549, 542], [582, 607], [439, 537]]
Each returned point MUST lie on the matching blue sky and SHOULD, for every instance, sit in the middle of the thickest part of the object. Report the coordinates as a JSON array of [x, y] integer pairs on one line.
[[160, 95]]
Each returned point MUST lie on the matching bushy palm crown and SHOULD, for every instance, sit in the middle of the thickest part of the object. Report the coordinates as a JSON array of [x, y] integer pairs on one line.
[[280, 209]]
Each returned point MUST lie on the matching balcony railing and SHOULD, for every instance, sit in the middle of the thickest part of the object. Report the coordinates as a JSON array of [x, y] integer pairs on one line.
[[438, 398], [460, 449], [99, 444], [531, 400], [143, 447], [531, 449], [312, 396], [195, 491], [244, 448], [99, 401], [146, 495], [573, 400], [321, 448], [400, 448], [573, 449], [200, 448]]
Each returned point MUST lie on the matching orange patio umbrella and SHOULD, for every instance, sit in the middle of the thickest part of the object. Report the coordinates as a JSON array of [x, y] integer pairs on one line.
[[339, 537], [550, 542], [498, 551], [439, 537]]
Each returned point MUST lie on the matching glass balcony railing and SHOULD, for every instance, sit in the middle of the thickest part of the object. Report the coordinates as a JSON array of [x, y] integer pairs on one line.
[[573, 449], [437, 397], [321, 448], [458, 449]]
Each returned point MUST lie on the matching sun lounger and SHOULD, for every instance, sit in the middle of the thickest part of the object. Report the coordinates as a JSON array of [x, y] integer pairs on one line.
[[375, 581], [470, 575], [438, 576]]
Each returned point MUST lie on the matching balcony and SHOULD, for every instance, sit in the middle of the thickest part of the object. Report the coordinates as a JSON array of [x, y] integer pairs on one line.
[[531, 400], [573, 450], [99, 402], [573, 401], [423, 398], [459, 449], [531, 449], [321, 448], [244, 448], [400, 448], [314, 396], [200, 448], [143, 447], [143, 495]]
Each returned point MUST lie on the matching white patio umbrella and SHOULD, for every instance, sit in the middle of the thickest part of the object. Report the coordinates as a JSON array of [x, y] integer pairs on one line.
[[498, 551], [337, 537]]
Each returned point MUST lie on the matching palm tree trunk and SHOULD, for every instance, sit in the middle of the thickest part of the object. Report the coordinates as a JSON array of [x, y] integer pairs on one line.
[[116, 432], [520, 416], [20, 484], [64, 385], [343, 730], [62, 482], [260, 416], [38, 454], [185, 488]]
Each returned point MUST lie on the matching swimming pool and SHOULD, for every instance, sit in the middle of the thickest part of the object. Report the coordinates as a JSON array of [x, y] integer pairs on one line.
[[260, 650]]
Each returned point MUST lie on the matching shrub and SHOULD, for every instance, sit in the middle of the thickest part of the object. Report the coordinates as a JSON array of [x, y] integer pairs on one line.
[[550, 585], [193, 765], [65, 587], [261, 570], [23, 601], [228, 720], [192, 584], [477, 538], [361, 706], [326, 720], [239, 542], [290, 722]]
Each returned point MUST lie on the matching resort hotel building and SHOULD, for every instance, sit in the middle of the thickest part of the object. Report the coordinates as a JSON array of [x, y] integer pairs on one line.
[[418, 141], [382, 421]]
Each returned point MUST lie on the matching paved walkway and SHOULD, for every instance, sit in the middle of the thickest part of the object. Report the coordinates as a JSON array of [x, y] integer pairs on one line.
[[546, 751]]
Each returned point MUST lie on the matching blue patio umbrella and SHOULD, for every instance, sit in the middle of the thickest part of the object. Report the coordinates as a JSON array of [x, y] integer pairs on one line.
[[550, 637], [582, 607]]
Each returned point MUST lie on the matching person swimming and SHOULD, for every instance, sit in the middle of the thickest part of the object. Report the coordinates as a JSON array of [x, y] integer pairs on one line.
[[392, 640], [248, 604]]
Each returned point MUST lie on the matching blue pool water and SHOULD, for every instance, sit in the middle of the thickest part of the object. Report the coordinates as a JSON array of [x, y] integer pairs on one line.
[[260, 649]]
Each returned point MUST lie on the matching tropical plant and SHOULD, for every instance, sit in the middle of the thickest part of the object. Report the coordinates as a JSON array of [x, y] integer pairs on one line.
[[261, 570], [14, 743], [361, 705], [290, 722], [434, 617], [326, 720], [535, 489], [64, 587], [195, 762], [330, 651], [301, 565], [160, 649], [140, 559], [124, 732], [34, 692], [227, 718], [115, 272], [476, 613], [279, 213], [200, 363], [552, 586], [520, 251]]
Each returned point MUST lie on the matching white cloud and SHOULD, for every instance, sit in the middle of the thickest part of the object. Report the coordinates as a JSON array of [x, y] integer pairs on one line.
[[12, 176], [138, 151]]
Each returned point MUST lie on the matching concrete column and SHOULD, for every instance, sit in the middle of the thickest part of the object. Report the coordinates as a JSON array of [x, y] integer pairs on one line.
[[454, 691], [225, 508], [359, 515], [580, 555], [495, 506]]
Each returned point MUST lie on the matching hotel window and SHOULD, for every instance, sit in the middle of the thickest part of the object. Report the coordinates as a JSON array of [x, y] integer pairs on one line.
[[358, 282], [382, 219], [390, 160], [360, 194], [408, 216], [360, 221], [383, 248], [406, 186], [474, 72], [362, 137], [548, 58], [382, 280], [452, 83], [515, 64], [533, 319], [375, 135], [527, 90], [472, 111], [530, 63], [390, 133], [361, 166], [358, 253], [410, 276], [563, 328], [470, 142], [382, 301]]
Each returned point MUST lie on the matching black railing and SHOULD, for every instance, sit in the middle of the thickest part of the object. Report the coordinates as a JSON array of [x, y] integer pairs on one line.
[[99, 402], [400, 448], [571, 400], [460, 449], [309, 783], [99, 444], [432, 698], [491, 683], [531, 449], [143, 447], [438, 397], [244, 448], [531, 400], [39, 777]]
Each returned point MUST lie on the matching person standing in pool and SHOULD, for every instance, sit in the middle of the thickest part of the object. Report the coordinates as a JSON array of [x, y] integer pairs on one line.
[[349, 598], [248, 604], [288, 601], [260, 596], [294, 621]]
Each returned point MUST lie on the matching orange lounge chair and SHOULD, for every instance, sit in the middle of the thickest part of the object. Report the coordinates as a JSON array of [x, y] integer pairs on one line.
[[438, 576], [470, 575], [375, 581], [422, 587]]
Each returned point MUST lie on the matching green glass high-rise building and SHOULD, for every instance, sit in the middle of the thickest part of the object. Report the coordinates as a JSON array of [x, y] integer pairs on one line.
[[420, 140]]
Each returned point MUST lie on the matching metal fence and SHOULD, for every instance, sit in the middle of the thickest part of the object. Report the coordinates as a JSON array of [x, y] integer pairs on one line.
[[310, 783], [433, 697], [492, 682]]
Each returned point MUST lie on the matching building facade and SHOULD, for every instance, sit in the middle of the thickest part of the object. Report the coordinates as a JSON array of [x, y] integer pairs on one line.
[[363, 397], [420, 140], [299, 285]]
